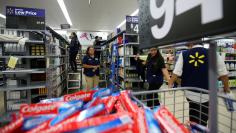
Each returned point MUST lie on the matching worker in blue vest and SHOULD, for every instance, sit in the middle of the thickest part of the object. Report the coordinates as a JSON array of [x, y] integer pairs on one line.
[[156, 71], [91, 66], [192, 67]]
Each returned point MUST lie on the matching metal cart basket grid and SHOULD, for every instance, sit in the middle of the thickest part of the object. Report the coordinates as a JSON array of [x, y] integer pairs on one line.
[[175, 101]]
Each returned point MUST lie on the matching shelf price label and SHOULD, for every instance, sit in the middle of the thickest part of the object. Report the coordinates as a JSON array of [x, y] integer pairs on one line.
[[169, 21], [12, 62], [132, 24]]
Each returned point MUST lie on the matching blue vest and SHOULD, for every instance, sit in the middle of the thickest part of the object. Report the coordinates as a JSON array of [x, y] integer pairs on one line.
[[195, 68], [91, 61]]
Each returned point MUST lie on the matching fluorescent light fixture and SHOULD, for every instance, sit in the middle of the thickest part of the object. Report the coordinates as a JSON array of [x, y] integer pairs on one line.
[[124, 21], [135, 12], [2, 16], [64, 10]]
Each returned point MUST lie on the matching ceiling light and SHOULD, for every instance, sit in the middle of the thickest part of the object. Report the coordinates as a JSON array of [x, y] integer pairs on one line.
[[124, 21], [65, 12], [2, 16]]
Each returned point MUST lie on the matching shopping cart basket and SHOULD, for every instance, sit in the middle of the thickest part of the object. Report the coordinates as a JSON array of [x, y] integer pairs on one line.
[[175, 101]]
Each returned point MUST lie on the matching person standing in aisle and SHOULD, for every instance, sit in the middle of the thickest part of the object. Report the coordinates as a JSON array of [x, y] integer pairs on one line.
[[74, 48], [91, 66], [192, 67], [156, 69], [97, 46]]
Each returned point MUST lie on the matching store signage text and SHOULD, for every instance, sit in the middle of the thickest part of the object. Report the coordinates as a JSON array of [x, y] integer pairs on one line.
[[18, 11], [209, 13], [164, 22]]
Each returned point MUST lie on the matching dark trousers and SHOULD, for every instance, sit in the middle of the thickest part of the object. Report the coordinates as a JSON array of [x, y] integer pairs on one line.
[[153, 97], [73, 63], [198, 112]]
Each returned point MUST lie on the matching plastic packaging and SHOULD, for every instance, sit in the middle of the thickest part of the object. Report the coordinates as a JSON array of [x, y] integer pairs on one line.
[[140, 125], [102, 93], [126, 101], [168, 122], [153, 126], [72, 125], [109, 125], [198, 128], [230, 105], [14, 126], [32, 122]]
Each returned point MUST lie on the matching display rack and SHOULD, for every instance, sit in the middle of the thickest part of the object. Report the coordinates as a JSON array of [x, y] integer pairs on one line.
[[128, 75], [226, 48], [40, 71]]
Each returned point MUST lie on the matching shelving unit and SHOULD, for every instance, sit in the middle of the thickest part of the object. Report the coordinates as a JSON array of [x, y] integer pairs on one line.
[[128, 77], [74, 81], [42, 57]]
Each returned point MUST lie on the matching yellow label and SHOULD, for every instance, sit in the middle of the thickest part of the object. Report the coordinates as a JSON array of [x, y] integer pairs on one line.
[[12, 62]]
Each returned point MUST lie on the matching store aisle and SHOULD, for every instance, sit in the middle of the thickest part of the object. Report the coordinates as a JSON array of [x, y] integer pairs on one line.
[[179, 106]]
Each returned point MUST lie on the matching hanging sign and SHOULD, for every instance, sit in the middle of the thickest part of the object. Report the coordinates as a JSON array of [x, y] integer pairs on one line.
[[25, 18], [162, 22], [132, 24]]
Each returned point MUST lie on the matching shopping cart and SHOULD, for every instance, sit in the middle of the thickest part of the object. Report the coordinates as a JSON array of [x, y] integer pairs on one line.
[[176, 102]]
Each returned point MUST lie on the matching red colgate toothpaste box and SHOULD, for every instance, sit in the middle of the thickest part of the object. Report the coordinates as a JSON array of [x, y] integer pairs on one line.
[[14, 126], [127, 102], [84, 96], [40, 109], [168, 123]]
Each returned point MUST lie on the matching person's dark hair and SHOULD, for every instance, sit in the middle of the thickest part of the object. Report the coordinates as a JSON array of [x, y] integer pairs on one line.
[[74, 34], [158, 57], [87, 51]]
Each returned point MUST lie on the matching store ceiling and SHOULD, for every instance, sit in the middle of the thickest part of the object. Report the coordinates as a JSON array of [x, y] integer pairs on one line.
[[102, 15]]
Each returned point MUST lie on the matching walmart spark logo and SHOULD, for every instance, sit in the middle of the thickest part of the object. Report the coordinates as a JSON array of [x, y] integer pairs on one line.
[[196, 59]]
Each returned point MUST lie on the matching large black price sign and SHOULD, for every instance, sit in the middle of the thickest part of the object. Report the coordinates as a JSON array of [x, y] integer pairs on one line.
[[163, 22], [25, 18], [132, 24]]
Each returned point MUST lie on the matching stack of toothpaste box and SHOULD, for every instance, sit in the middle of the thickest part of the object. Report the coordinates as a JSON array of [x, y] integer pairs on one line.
[[96, 111]]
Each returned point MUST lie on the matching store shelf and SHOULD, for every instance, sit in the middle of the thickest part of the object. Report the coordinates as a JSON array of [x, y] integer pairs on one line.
[[231, 69], [56, 56], [127, 56], [34, 42], [19, 100], [131, 79], [73, 80], [128, 44], [74, 88], [129, 67], [28, 57], [54, 67], [23, 87], [23, 71], [228, 53], [9, 41], [37, 95], [230, 60]]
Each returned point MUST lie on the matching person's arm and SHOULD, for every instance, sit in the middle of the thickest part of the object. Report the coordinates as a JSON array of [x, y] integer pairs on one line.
[[178, 70], [223, 73], [166, 74], [225, 81], [173, 78], [139, 60], [89, 66]]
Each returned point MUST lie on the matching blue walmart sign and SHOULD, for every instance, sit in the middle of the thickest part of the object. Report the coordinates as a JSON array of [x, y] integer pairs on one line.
[[19, 11]]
